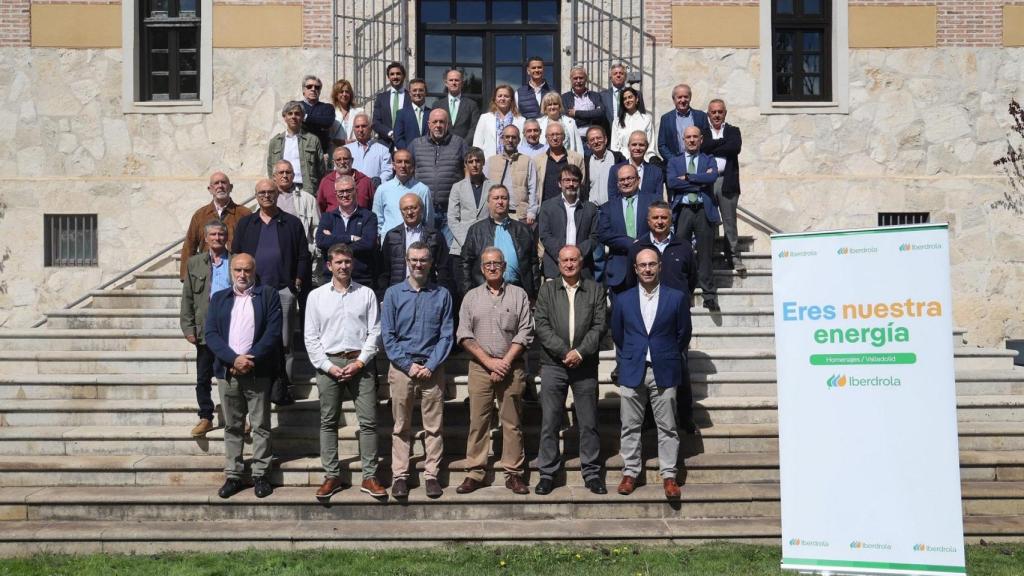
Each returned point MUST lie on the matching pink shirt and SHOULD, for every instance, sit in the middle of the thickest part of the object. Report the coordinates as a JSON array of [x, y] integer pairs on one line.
[[242, 329]]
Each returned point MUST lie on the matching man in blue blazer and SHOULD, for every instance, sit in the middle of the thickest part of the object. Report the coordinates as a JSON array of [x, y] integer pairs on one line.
[[412, 120], [652, 178], [691, 177], [387, 103], [620, 222], [674, 122], [651, 329], [243, 330]]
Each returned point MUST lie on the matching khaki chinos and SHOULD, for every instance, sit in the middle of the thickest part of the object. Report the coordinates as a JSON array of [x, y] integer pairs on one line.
[[482, 394], [403, 398]]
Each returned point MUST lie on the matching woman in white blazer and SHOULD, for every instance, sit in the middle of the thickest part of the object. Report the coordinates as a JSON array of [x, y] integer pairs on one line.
[[551, 105], [633, 116], [503, 112], [344, 113]]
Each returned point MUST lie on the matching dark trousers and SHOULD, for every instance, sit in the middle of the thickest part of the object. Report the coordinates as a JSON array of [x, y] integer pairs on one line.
[[204, 372], [555, 382], [694, 222]]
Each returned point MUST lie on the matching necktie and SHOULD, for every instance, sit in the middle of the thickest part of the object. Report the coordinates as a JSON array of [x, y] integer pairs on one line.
[[419, 121], [692, 166], [394, 107], [615, 104], [630, 217], [453, 108]]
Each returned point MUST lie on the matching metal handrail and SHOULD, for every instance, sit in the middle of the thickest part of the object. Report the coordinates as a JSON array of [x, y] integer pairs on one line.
[[758, 222], [163, 253]]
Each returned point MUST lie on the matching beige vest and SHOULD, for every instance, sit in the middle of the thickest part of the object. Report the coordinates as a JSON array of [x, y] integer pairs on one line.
[[518, 171]]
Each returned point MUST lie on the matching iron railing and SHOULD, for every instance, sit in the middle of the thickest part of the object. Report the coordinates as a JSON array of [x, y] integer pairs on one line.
[[369, 34]]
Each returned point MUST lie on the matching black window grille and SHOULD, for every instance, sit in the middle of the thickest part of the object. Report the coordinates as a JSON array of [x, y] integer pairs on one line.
[[169, 50], [70, 240], [802, 50], [902, 218]]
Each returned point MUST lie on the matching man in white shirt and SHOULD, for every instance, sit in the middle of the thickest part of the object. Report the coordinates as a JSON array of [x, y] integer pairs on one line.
[[341, 332]]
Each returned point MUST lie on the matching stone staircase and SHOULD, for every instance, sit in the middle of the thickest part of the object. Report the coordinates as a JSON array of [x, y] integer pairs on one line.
[[95, 451]]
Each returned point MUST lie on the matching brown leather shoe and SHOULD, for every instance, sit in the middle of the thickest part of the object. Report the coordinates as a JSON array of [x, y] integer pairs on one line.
[[202, 428], [469, 485], [672, 491], [330, 487], [517, 485], [373, 488], [434, 488], [627, 485]]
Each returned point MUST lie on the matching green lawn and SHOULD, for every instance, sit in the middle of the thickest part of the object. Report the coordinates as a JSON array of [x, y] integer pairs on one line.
[[710, 560]]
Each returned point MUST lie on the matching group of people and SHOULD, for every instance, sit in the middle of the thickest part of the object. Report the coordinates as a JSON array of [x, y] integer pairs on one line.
[[448, 229]]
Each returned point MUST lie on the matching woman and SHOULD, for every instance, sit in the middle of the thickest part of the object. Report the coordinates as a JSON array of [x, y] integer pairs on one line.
[[503, 112], [632, 117], [342, 96], [551, 105]]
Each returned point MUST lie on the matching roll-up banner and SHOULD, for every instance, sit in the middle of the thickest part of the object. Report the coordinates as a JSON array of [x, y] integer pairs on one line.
[[868, 456]]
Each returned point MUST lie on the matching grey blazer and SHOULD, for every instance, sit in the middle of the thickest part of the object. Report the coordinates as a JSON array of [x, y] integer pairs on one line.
[[463, 210]]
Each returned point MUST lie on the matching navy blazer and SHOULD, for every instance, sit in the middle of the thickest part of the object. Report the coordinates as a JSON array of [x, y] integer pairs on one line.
[[653, 182], [667, 341], [382, 120], [586, 118], [291, 237], [611, 231], [405, 127], [678, 264], [670, 141], [364, 251], [728, 147], [319, 119], [266, 308], [701, 181]]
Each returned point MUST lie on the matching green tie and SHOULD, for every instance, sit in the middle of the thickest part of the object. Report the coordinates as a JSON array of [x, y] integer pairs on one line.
[[692, 166], [630, 218], [394, 107], [419, 121], [453, 107]]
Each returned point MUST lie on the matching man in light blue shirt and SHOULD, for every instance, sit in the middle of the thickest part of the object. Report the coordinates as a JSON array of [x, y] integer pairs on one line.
[[389, 195], [369, 156]]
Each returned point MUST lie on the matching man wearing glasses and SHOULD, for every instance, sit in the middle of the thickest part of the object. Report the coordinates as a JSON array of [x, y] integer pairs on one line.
[[319, 115], [513, 239], [326, 199], [568, 221], [354, 226], [621, 222]]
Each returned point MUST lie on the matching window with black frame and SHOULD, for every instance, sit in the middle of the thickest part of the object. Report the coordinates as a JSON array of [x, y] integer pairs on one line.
[[169, 50], [801, 50]]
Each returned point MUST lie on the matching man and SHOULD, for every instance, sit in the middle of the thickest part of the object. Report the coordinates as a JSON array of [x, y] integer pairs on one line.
[[570, 321], [495, 328], [207, 274], [326, 200], [620, 223], [678, 264], [277, 241], [385, 201], [411, 122], [467, 204], [392, 268], [222, 208], [319, 116], [513, 239], [674, 123], [243, 330], [651, 177], [568, 221], [464, 112], [584, 106], [341, 331], [651, 329], [294, 202], [597, 163], [517, 173], [550, 163], [301, 149], [691, 178], [369, 157], [531, 144], [724, 142], [387, 104], [529, 95], [417, 322], [611, 97], [353, 226], [439, 157]]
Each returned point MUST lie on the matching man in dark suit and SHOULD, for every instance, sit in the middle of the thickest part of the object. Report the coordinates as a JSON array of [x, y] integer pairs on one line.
[[651, 329], [412, 120], [610, 97], [319, 116], [691, 177], [620, 223], [392, 268], [569, 321], [724, 142], [652, 178], [582, 105], [388, 102], [464, 112], [557, 230], [243, 330], [674, 122]]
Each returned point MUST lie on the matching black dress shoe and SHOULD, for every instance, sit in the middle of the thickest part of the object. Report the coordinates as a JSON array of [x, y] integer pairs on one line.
[[544, 487], [280, 392], [263, 487], [400, 488], [596, 486], [712, 306], [231, 487]]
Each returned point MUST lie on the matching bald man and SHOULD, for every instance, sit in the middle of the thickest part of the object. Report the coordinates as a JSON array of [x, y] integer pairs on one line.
[[222, 208], [439, 156]]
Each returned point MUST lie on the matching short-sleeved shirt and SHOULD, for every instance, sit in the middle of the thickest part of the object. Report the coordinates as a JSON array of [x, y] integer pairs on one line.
[[496, 321]]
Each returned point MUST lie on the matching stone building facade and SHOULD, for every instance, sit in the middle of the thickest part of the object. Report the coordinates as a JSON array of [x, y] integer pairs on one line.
[[918, 121]]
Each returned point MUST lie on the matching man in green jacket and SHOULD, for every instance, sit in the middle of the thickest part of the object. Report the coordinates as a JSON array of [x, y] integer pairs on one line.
[[207, 274], [299, 147]]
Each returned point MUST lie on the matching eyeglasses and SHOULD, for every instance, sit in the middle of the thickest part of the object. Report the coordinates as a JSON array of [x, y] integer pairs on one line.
[[313, 87], [265, 193], [493, 265], [347, 192]]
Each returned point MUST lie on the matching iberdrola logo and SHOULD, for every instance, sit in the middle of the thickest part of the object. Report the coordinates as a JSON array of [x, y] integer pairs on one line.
[[906, 247], [856, 544], [784, 254], [794, 542], [919, 547], [843, 251], [836, 381]]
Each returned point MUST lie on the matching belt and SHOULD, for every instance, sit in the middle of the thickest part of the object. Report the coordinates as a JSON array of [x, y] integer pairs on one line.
[[348, 355], [695, 207]]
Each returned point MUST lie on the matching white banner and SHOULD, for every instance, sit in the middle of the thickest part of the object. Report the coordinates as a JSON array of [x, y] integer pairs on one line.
[[868, 456]]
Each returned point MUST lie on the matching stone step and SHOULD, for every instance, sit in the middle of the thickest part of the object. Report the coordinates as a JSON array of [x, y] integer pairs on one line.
[[760, 279], [84, 339], [111, 318], [738, 297], [136, 298]]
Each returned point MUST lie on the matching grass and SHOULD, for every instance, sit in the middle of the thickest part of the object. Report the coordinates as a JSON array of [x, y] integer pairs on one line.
[[625, 559]]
